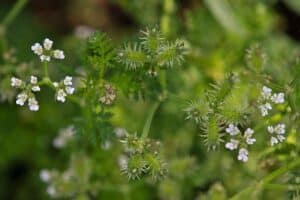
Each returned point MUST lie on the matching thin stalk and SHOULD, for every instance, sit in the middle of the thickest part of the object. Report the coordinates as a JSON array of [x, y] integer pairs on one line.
[[149, 120], [267, 179], [14, 12], [285, 187], [46, 70]]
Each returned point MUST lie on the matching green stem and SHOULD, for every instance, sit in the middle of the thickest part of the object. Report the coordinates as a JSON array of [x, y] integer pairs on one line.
[[46, 69], [149, 120], [267, 179], [17, 8], [284, 187]]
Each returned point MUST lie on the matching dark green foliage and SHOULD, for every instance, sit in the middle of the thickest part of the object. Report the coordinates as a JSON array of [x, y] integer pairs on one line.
[[99, 50]]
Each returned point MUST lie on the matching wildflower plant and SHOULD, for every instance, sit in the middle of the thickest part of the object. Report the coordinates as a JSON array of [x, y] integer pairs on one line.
[[239, 79]]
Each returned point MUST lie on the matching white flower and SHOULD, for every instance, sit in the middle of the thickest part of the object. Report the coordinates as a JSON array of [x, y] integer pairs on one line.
[[248, 136], [58, 54], [36, 88], [45, 175], [70, 90], [37, 49], [51, 191], [278, 98], [68, 81], [64, 136], [266, 92], [61, 95], [45, 58], [277, 133], [106, 145], [270, 129], [243, 155], [123, 161], [120, 132], [21, 98], [33, 104], [265, 108], [232, 130], [64, 88], [48, 44], [274, 140], [58, 142], [280, 129], [15, 82], [55, 84], [33, 80], [233, 144]]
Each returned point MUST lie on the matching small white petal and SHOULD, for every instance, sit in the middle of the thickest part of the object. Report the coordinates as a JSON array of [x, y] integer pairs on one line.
[[15, 82], [21, 99], [233, 144], [37, 49], [274, 140], [278, 98], [55, 84], [58, 142], [266, 92], [61, 96], [232, 130], [45, 175], [33, 104], [68, 81], [270, 129], [36, 88], [250, 141], [280, 129], [58, 54], [45, 58], [243, 155], [33, 80], [70, 90], [281, 138], [249, 132], [51, 191], [48, 44]]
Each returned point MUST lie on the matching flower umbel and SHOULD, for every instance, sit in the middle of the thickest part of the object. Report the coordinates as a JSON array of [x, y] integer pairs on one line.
[[277, 133], [267, 98], [240, 141], [45, 52], [64, 88], [26, 93]]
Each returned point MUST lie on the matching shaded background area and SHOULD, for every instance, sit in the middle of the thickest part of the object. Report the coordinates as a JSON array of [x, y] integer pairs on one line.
[[22, 140]]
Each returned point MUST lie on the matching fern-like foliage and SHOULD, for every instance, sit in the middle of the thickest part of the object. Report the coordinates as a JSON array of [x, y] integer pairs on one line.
[[99, 50]]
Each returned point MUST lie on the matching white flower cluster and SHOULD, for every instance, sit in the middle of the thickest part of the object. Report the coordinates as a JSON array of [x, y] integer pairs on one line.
[[65, 135], [46, 176], [277, 133], [27, 94], [267, 98], [240, 141], [64, 88], [55, 180], [45, 52]]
